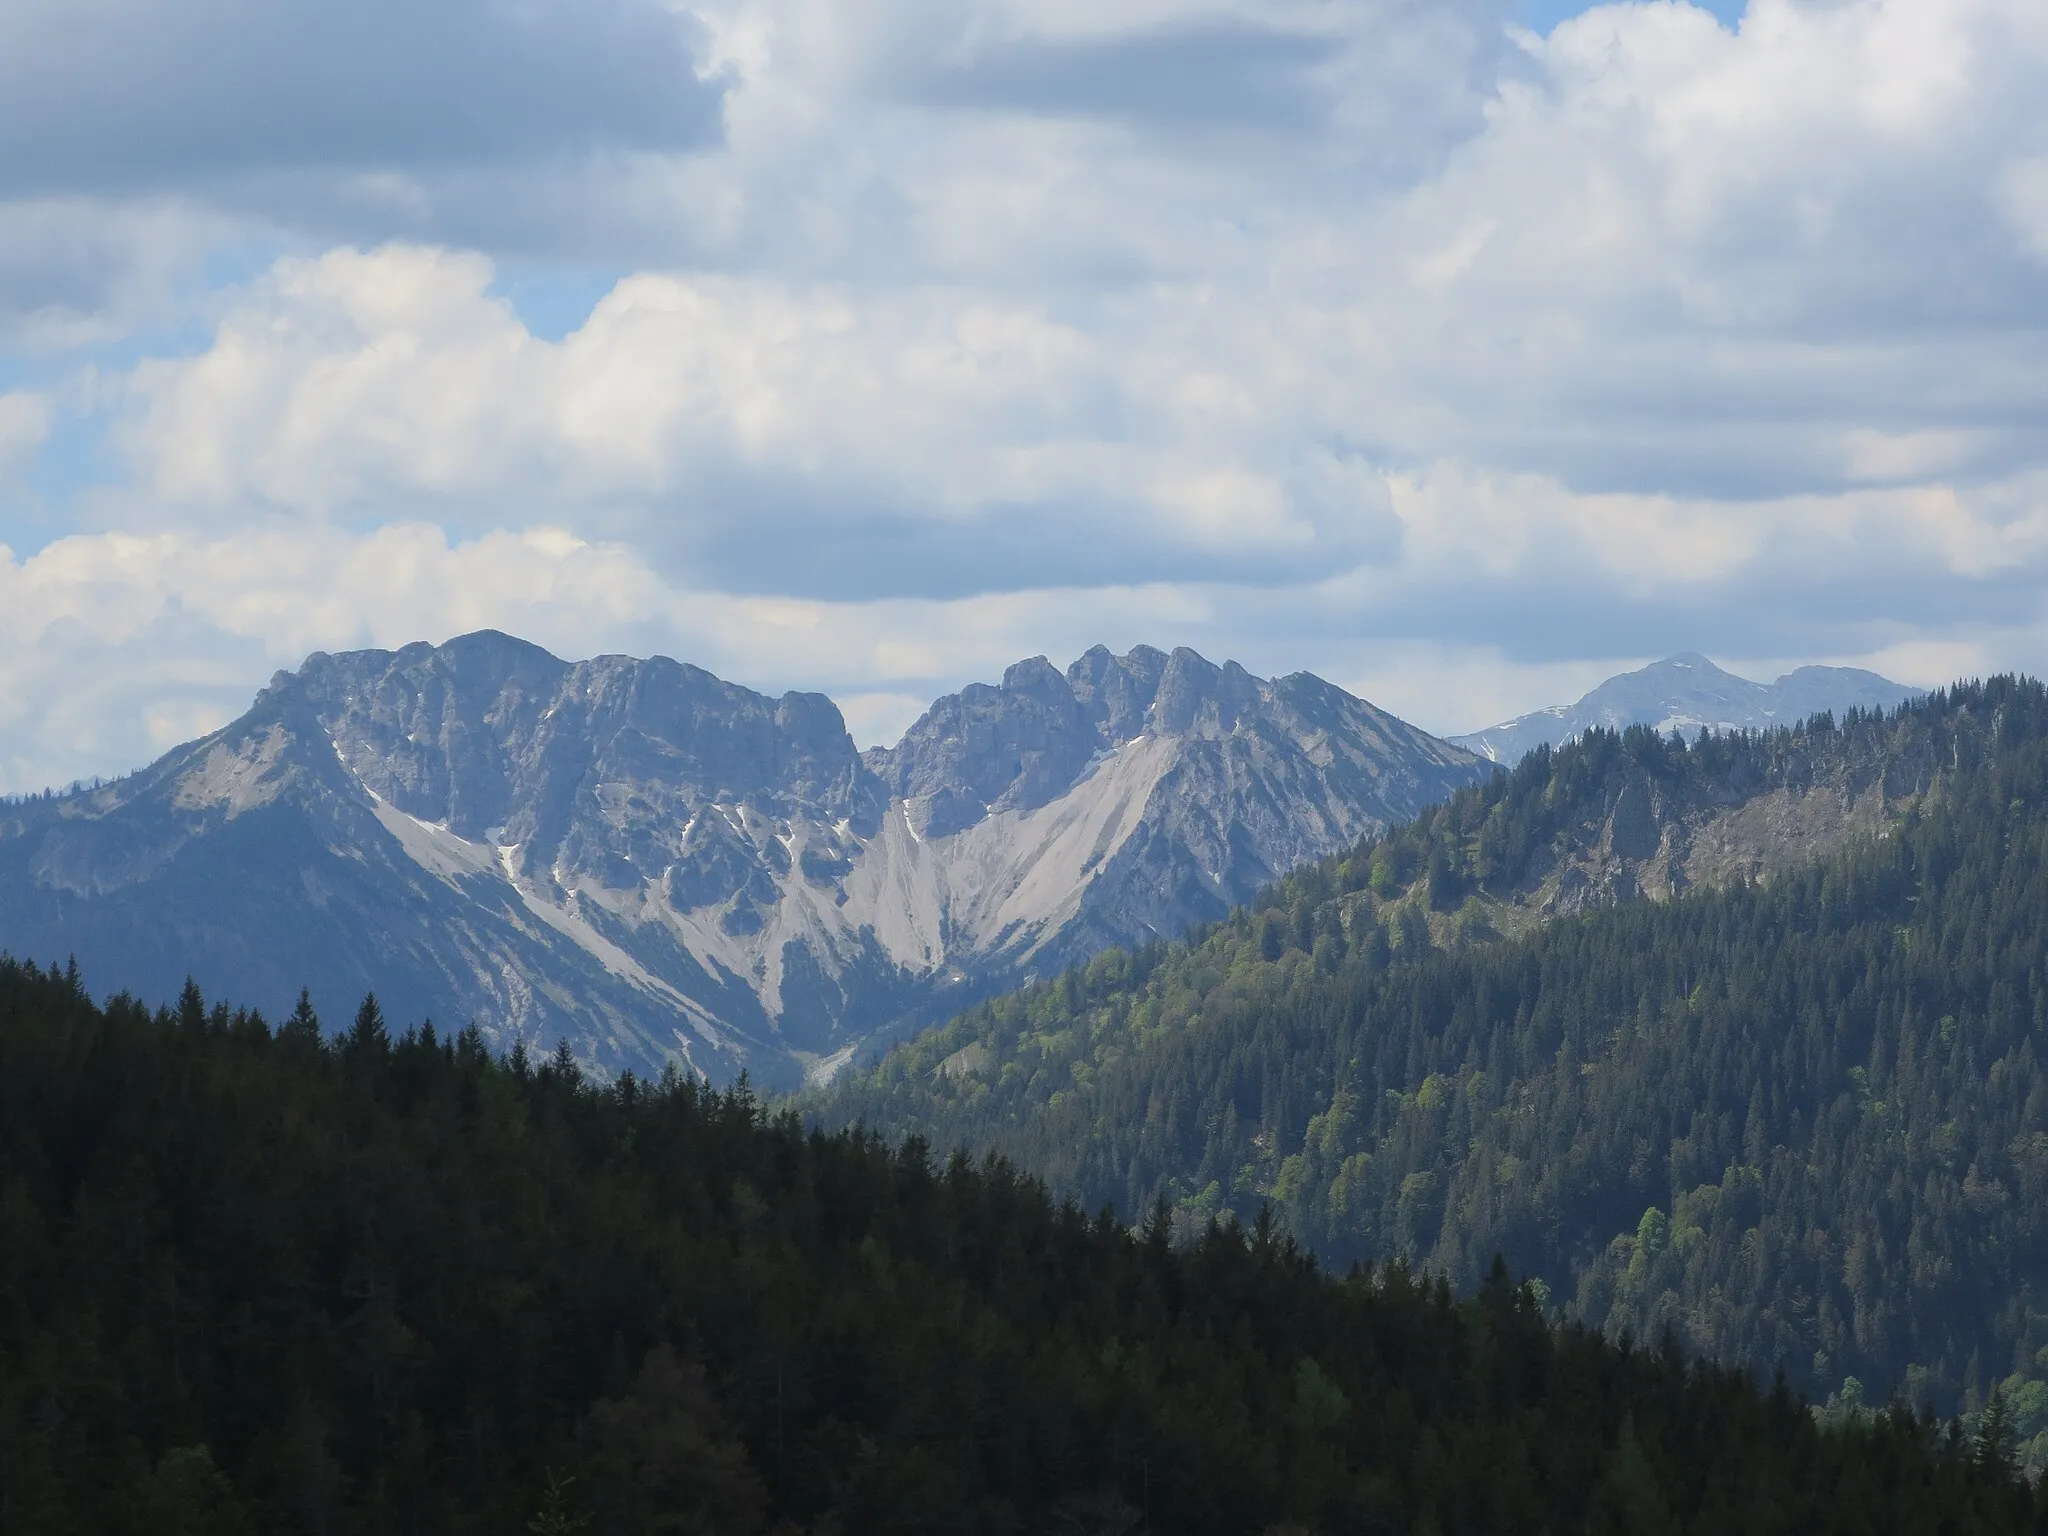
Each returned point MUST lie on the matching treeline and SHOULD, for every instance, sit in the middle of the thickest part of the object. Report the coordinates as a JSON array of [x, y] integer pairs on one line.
[[255, 1281], [46, 796], [1804, 1124]]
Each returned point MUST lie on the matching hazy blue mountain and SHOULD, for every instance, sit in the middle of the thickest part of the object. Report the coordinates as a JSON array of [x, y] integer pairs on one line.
[[1684, 693], [657, 865]]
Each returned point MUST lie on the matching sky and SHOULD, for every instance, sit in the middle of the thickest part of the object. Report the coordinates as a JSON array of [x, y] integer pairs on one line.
[[1464, 352]]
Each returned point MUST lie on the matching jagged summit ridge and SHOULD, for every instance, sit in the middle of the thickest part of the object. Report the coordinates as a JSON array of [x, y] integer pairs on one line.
[[1687, 693], [1027, 741], [657, 865]]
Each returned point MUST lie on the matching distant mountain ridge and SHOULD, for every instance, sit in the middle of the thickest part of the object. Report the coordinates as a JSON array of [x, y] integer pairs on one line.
[[1687, 693], [658, 865]]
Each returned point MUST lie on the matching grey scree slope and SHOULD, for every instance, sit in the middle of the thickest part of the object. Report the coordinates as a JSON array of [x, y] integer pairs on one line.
[[656, 865], [1685, 693]]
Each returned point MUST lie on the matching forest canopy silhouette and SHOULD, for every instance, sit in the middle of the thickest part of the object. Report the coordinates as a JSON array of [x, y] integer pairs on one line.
[[256, 1280]]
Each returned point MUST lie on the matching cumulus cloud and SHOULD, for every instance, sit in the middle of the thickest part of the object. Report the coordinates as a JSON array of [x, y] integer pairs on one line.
[[766, 438], [894, 136], [1377, 337], [1671, 257]]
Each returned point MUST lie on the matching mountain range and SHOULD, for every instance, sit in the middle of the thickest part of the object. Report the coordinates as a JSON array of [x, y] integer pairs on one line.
[[1688, 693], [658, 866]]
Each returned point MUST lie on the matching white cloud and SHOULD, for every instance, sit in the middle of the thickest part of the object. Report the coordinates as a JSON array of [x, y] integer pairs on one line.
[[1371, 337], [1671, 257], [717, 420]]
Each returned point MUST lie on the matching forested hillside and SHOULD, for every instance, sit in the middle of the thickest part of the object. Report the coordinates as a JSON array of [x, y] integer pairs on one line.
[[1802, 1120], [256, 1282]]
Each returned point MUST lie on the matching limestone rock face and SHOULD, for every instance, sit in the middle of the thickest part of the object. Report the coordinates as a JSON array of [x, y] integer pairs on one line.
[[659, 866]]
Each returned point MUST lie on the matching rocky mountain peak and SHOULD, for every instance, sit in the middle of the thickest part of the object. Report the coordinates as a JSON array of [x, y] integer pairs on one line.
[[1198, 697], [1036, 678], [1117, 691], [1015, 746], [1024, 742], [505, 745]]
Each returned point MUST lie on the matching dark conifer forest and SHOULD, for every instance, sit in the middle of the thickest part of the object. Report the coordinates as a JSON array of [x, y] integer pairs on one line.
[[253, 1280], [1801, 1122]]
